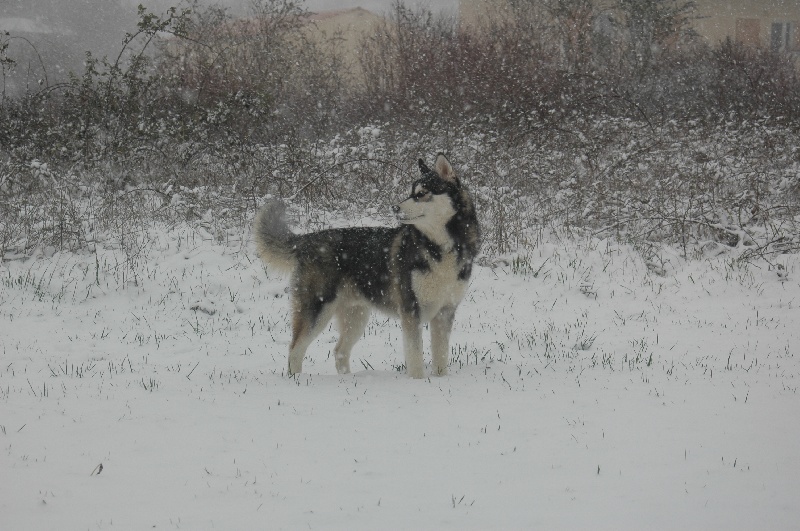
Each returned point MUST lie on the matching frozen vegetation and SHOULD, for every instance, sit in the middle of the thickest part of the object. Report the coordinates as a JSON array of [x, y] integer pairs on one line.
[[586, 390]]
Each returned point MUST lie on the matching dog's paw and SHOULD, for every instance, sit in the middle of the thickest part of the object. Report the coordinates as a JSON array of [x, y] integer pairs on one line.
[[295, 367], [416, 373]]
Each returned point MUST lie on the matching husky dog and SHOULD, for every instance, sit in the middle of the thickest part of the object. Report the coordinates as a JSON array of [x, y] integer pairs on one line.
[[418, 271]]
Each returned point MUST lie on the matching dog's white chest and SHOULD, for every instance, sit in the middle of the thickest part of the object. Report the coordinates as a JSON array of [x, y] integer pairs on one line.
[[439, 286]]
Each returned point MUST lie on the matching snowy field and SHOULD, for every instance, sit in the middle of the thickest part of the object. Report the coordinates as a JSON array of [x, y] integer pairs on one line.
[[587, 390]]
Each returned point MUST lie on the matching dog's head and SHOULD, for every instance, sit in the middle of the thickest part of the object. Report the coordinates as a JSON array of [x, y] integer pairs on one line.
[[433, 198]]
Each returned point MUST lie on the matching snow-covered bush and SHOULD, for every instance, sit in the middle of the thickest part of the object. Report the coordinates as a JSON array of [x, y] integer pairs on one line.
[[696, 148]]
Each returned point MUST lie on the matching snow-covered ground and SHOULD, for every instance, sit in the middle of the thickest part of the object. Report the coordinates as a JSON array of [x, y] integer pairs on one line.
[[587, 391]]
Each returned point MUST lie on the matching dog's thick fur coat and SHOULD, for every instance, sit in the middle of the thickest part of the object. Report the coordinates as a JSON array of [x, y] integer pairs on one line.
[[418, 271]]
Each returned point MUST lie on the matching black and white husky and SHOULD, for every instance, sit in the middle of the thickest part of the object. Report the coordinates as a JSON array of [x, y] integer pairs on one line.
[[418, 271]]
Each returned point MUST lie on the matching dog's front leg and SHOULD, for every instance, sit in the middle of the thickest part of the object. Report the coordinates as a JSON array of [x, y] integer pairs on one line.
[[412, 345], [441, 325]]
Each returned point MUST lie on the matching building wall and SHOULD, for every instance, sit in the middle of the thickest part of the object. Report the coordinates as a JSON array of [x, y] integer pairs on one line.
[[351, 26], [755, 22], [750, 22]]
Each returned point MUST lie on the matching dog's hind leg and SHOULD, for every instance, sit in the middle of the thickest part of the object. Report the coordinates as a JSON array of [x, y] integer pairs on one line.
[[441, 325], [305, 327], [351, 320], [412, 345]]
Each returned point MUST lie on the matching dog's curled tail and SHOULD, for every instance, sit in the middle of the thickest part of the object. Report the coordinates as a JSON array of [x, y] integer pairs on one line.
[[273, 237]]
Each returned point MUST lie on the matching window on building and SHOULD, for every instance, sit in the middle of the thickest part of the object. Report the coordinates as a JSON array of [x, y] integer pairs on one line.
[[781, 36]]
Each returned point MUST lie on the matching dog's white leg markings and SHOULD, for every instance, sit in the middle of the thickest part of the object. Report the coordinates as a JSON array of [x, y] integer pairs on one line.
[[412, 345], [351, 321], [441, 325], [297, 351], [302, 336]]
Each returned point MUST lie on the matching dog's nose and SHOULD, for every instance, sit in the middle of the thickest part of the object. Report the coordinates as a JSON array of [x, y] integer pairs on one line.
[[396, 208]]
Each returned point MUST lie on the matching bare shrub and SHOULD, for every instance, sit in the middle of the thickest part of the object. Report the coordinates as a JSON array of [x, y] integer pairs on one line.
[[749, 81], [549, 113], [258, 73]]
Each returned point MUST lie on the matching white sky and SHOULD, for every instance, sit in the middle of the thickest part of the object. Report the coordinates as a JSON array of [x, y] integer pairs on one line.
[[62, 30], [376, 6]]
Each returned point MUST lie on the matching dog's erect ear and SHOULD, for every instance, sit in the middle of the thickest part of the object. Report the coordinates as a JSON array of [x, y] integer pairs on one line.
[[444, 169], [423, 168]]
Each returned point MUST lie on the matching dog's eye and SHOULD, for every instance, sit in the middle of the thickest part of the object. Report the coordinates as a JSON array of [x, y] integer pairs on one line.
[[422, 194]]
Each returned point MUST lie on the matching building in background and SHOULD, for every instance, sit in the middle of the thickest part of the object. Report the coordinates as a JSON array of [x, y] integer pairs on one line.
[[351, 26], [772, 23]]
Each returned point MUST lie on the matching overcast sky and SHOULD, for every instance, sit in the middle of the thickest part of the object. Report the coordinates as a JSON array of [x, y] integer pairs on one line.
[[59, 32], [16, 8], [101, 24], [377, 6]]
